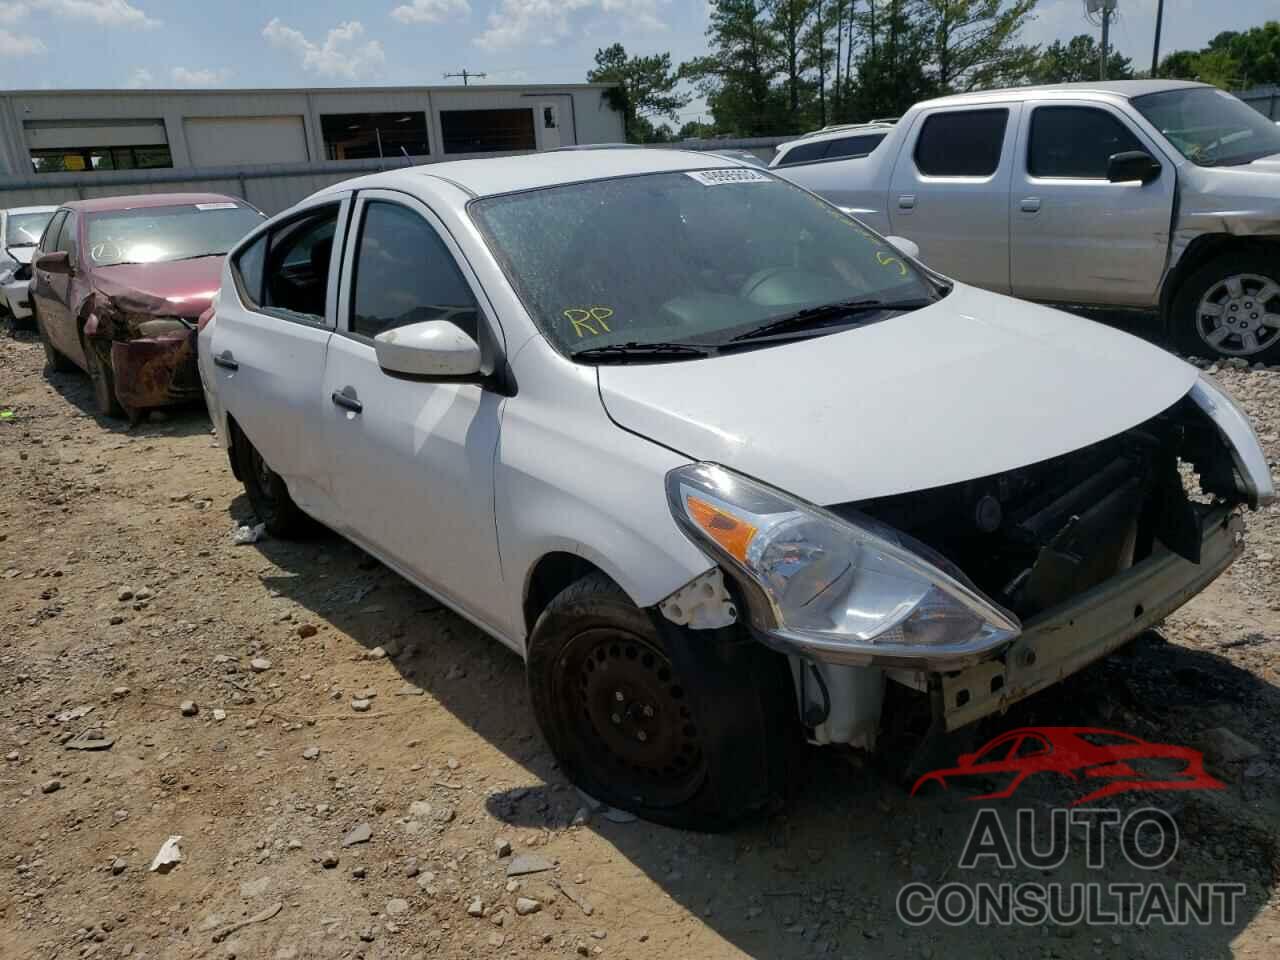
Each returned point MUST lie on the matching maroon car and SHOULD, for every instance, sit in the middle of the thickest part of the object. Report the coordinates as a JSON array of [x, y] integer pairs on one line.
[[119, 283]]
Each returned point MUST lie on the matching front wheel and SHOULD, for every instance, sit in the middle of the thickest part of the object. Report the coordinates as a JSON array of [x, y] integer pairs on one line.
[[690, 730], [1229, 308], [98, 356], [54, 360]]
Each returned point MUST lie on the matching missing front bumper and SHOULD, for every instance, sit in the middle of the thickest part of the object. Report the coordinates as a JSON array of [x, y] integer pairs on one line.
[[1062, 641]]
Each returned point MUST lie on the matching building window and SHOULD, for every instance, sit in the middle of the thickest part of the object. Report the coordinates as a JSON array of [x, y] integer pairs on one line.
[[87, 159], [487, 131], [369, 136]]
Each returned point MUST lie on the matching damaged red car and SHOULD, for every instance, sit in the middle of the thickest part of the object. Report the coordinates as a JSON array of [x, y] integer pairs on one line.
[[119, 284]]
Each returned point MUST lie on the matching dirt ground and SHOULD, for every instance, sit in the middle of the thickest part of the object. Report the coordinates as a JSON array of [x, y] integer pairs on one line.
[[122, 593]]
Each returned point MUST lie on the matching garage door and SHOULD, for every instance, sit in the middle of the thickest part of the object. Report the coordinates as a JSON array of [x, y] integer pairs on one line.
[[219, 141]]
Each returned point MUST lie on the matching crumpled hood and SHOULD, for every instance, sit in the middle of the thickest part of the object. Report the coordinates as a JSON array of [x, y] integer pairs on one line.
[[182, 289], [973, 385]]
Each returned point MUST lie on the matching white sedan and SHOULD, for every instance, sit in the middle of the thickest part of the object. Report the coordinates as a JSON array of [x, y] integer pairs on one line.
[[719, 462], [20, 232]]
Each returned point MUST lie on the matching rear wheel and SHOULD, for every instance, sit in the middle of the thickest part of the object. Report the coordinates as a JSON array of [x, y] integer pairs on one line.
[[1230, 307], [267, 492], [54, 360], [693, 735], [97, 355]]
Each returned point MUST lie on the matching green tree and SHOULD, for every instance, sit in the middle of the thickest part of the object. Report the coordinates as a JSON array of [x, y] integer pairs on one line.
[[1078, 60], [696, 130], [892, 70], [646, 89], [975, 42], [737, 76], [1232, 60]]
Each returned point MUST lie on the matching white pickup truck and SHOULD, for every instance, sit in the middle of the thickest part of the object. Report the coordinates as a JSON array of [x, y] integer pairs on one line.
[[1154, 195]]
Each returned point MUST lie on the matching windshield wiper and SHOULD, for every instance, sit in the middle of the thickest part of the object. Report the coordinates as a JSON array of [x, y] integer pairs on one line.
[[827, 313], [642, 352], [197, 256]]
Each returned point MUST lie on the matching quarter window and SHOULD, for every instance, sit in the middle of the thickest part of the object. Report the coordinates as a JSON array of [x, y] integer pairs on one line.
[[804, 153], [1076, 143], [405, 274], [248, 267], [296, 276], [963, 143], [854, 146]]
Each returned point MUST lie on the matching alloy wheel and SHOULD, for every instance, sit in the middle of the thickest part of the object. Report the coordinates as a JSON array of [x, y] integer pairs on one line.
[[1240, 315]]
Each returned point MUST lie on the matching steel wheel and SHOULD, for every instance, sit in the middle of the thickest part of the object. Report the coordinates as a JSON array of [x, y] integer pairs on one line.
[[622, 701], [1240, 315]]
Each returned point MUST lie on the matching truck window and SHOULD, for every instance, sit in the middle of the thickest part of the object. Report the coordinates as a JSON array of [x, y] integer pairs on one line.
[[804, 153], [962, 143], [1076, 143], [854, 146]]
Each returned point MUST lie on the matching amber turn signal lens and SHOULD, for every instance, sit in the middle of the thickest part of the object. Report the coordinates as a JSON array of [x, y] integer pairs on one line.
[[732, 534]]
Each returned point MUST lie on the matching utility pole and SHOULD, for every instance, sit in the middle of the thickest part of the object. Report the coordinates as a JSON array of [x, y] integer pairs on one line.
[[1107, 6], [1155, 53], [466, 75]]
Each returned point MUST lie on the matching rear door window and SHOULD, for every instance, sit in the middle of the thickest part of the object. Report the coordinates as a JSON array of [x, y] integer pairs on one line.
[[962, 143], [299, 257]]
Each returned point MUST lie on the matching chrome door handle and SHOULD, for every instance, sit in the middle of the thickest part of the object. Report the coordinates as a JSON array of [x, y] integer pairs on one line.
[[907, 202], [1030, 204], [225, 360], [346, 400]]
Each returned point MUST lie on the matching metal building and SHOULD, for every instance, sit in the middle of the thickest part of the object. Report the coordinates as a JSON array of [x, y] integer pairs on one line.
[[62, 144]]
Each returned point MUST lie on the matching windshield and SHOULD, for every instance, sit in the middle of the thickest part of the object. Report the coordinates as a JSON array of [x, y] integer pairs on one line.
[[24, 229], [1210, 127], [161, 234], [696, 257]]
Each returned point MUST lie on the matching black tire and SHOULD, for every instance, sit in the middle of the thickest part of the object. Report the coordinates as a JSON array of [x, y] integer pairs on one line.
[[1193, 327], [97, 355], [54, 360], [705, 730], [267, 492]]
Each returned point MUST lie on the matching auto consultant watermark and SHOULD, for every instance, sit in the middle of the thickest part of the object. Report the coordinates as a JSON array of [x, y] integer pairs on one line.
[[1145, 839]]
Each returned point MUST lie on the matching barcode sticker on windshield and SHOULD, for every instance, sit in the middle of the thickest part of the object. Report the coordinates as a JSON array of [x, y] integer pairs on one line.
[[216, 206], [717, 178]]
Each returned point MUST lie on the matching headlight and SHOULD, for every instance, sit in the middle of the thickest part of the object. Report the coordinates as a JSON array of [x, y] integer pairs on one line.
[[1233, 423], [841, 591], [7, 272], [147, 326]]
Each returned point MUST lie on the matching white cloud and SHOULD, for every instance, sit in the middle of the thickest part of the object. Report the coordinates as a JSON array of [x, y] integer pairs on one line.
[[341, 54], [105, 13], [12, 12], [140, 79], [546, 21], [20, 45], [431, 11], [208, 77]]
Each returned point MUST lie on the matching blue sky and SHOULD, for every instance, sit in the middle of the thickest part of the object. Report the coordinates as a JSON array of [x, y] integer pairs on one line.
[[265, 43]]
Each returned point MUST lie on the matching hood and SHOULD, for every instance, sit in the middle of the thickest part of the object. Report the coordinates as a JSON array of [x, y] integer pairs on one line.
[[182, 288], [973, 385], [1270, 164]]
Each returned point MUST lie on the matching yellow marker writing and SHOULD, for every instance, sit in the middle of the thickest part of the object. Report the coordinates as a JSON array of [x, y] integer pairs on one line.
[[586, 319], [886, 260]]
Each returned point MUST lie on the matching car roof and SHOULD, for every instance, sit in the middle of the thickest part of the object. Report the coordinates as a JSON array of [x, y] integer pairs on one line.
[[139, 201], [1126, 89], [489, 176], [12, 211]]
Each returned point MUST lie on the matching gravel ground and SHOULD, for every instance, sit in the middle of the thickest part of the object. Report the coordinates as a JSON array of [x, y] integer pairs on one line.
[[354, 771]]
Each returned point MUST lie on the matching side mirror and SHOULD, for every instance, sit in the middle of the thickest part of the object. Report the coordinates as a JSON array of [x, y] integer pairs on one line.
[[908, 248], [58, 263], [433, 348], [1135, 165]]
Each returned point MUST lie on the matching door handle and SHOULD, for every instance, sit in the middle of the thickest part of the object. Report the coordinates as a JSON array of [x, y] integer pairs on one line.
[[907, 202], [1030, 204], [225, 360], [347, 400]]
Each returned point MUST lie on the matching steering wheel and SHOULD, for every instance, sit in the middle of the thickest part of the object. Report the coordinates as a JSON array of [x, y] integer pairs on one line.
[[106, 250], [758, 279]]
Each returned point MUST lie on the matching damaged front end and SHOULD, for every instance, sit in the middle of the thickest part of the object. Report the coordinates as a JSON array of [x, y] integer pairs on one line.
[[979, 593], [152, 348]]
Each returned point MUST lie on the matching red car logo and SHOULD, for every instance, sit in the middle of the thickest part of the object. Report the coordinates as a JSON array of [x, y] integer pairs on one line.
[[1118, 762]]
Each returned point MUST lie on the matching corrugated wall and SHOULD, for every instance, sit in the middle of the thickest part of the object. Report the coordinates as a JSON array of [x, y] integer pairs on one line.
[[270, 188]]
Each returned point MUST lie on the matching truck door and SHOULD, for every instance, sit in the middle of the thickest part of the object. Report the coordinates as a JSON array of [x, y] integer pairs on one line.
[[950, 191], [1077, 237]]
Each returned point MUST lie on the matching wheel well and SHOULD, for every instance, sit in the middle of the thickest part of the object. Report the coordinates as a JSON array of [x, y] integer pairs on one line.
[[1201, 251], [233, 431], [551, 574]]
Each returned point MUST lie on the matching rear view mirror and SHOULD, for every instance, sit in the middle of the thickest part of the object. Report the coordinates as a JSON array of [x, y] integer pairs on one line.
[[433, 349], [58, 263], [908, 248], [1135, 165]]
